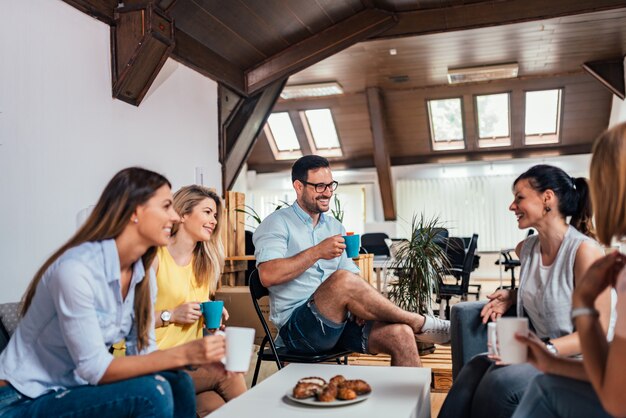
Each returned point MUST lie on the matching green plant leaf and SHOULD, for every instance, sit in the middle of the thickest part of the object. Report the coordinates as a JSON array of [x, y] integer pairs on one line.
[[420, 266]]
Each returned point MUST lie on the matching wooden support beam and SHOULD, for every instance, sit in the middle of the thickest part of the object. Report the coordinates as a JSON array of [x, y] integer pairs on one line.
[[490, 13], [610, 73], [193, 54], [314, 49], [100, 9], [381, 154], [239, 133], [492, 154], [141, 41]]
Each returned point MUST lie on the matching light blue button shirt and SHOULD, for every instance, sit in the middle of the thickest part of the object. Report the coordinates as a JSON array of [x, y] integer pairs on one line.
[[288, 232], [77, 313]]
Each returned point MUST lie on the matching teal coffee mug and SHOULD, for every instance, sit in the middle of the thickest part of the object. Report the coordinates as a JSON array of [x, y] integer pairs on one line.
[[353, 243], [212, 312]]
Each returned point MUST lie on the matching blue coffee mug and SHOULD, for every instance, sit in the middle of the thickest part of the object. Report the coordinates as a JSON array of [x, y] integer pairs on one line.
[[353, 243], [212, 312]]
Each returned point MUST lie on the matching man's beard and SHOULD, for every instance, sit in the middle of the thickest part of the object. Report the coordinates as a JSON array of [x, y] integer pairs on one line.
[[312, 207]]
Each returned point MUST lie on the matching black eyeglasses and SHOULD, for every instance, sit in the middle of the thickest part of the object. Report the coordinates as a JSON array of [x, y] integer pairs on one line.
[[321, 187]]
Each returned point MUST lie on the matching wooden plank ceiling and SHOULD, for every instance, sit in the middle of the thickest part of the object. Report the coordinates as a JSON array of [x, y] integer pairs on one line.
[[247, 45]]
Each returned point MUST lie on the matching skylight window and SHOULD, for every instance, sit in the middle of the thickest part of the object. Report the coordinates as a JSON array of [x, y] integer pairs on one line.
[[321, 132], [282, 137], [543, 117], [493, 114], [446, 124]]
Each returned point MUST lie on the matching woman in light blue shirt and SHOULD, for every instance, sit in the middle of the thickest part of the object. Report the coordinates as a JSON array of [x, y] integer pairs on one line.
[[94, 291]]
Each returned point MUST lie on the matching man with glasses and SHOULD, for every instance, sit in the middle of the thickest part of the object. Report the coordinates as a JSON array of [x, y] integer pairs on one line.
[[317, 299]]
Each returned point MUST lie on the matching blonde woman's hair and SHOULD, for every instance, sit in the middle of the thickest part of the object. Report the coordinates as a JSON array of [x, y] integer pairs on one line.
[[128, 189], [608, 183], [208, 256]]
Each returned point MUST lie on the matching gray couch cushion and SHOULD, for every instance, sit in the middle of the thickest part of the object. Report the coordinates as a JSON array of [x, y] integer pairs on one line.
[[10, 315], [468, 333]]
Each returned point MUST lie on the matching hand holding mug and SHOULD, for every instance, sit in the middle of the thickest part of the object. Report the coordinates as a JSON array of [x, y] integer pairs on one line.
[[208, 349], [187, 313], [331, 247], [538, 354]]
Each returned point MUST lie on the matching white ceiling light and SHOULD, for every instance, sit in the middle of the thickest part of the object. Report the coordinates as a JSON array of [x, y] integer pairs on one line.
[[482, 73], [311, 90]]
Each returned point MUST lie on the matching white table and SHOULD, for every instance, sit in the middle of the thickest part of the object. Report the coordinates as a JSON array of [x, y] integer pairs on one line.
[[396, 392]]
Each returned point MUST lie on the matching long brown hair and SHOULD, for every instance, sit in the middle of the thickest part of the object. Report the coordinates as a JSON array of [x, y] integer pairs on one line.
[[608, 183], [208, 256], [128, 189]]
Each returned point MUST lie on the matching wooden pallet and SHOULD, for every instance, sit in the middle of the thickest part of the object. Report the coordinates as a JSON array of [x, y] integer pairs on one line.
[[440, 362]]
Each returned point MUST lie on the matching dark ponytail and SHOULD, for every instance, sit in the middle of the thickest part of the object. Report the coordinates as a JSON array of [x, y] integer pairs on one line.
[[573, 194], [581, 218]]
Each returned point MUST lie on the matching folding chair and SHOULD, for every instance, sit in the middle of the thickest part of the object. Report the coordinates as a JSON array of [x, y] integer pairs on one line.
[[283, 355]]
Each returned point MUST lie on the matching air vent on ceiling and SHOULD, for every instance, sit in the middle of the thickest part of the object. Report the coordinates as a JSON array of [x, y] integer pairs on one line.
[[399, 78], [482, 73]]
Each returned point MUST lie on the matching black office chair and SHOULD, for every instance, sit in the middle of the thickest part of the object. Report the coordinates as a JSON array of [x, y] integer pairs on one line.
[[374, 243], [446, 291], [283, 355]]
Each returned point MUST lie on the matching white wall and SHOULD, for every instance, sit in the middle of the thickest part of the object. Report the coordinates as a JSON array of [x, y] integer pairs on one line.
[[62, 136]]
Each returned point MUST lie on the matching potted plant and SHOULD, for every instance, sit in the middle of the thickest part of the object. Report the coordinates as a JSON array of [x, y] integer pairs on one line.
[[419, 264], [338, 210]]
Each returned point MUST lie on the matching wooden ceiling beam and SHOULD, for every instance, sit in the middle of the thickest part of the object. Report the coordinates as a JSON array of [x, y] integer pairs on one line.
[[492, 13], [100, 9], [381, 153], [239, 132], [336, 38], [610, 73], [194, 54], [493, 155]]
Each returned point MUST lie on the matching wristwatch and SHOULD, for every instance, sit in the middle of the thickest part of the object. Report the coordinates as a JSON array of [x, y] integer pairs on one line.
[[165, 317], [551, 348]]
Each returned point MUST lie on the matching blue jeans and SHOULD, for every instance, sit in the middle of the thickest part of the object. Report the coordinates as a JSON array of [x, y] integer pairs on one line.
[[555, 396], [164, 394], [483, 389], [308, 331]]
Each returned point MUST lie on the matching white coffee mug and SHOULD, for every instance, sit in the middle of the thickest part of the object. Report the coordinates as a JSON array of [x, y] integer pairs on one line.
[[492, 339], [239, 342], [510, 350]]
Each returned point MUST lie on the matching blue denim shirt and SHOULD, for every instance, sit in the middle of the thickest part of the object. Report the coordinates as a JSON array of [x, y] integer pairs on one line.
[[77, 313], [288, 232]]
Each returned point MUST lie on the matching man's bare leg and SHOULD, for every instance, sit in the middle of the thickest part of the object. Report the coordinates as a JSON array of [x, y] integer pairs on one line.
[[397, 340], [345, 292]]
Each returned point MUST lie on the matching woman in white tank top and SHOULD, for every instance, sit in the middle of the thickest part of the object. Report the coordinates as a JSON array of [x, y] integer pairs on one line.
[[595, 386], [552, 262]]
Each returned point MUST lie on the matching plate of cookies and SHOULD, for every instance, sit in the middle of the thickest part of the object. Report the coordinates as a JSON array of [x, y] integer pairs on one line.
[[338, 391]]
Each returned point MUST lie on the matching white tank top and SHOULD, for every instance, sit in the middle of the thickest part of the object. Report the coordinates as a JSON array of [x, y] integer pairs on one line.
[[545, 292]]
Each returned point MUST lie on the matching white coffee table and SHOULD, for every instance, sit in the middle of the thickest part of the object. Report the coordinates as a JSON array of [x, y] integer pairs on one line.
[[397, 392]]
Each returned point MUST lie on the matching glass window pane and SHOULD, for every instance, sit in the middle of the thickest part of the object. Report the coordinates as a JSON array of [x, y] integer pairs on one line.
[[322, 128], [283, 132], [493, 115], [446, 119], [542, 110]]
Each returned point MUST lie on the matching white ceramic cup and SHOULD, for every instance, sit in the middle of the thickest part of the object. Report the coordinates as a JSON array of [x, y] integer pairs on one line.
[[492, 339], [239, 342], [510, 350]]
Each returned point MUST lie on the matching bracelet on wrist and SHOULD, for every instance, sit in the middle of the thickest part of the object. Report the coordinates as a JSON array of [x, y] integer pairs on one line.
[[584, 311]]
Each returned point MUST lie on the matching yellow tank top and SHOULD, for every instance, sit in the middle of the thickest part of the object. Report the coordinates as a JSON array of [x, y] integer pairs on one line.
[[177, 285]]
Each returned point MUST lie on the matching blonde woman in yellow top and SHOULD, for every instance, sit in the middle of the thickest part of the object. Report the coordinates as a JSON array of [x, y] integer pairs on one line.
[[187, 272]]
